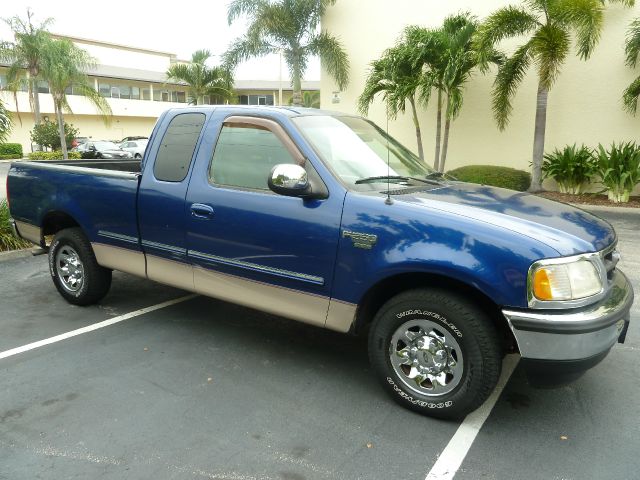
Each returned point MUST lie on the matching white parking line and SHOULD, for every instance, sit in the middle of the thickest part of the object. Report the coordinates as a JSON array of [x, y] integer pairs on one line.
[[456, 450], [91, 328]]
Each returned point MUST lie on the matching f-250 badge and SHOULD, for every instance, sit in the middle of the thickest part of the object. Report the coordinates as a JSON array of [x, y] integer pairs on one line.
[[361, 240]]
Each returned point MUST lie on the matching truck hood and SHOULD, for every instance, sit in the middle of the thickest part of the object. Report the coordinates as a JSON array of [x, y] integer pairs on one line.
[[567, 229]]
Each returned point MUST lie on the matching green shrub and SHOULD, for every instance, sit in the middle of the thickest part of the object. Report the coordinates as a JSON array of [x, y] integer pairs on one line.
[[11, 149], [48, 135], [53, 155], [11, 156], [619, 169], [504, 177], [8, 241], [572, 168]]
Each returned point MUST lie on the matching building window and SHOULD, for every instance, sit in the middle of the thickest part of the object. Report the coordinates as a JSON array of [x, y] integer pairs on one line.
[[182, 97], [146, 94], [42, 86], [115, 92], [104, 89], [3, 81], [125, 91], [135, 93], [256, 99]]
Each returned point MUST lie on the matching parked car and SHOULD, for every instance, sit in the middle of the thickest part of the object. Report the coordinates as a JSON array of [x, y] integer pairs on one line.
[[79, 141], [135, 147], [128, 139], [323, 218], [102, 149]]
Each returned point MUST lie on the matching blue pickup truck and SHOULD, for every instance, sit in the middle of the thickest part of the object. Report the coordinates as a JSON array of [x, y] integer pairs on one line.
[[323, 218]]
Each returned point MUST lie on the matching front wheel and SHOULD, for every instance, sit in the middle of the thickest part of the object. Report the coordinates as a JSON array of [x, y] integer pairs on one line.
[[435, 352], [74, 269]]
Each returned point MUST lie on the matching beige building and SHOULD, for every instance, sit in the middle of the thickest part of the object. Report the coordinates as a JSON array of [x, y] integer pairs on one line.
[[584, 105], [133, 81]]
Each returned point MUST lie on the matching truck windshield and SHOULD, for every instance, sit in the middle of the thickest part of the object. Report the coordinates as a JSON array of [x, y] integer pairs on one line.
[[357, 151]]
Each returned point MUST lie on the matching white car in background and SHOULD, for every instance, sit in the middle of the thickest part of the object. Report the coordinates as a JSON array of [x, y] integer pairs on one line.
[[135, 147]]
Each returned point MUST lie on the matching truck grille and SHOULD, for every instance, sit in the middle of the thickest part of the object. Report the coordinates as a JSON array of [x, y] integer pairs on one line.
[[611, 257]]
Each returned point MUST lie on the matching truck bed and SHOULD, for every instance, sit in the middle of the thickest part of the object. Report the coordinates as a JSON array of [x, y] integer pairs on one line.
[[129, 165]]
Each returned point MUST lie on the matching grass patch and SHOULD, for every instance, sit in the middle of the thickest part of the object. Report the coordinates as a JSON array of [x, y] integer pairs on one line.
[[8, 241]]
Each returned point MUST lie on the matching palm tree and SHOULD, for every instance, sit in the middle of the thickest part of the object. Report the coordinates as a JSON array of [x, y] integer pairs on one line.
[[5, 122], [290, 27], [64, 66], [24, 57], [549, 26], [201, 79], [398, 79], [448, 60], [632, 50]]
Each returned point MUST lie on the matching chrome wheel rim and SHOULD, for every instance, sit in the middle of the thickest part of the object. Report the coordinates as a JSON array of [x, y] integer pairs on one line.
[[69, 269], [426, 357]]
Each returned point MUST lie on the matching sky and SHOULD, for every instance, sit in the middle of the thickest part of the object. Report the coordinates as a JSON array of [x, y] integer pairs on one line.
[[177, 27]]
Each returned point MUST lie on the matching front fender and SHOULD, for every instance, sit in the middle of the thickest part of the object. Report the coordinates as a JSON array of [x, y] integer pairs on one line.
[[411, 239]]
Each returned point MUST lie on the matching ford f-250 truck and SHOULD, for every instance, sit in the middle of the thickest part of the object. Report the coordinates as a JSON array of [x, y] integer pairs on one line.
[[323, 218]]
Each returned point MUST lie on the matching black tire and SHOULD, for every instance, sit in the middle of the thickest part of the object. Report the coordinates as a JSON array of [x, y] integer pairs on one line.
[[138, 156], [453, 317], [95, 280]]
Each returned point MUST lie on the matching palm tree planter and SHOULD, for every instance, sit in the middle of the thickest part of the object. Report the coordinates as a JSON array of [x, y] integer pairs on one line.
[[201, 79], [64, 66], [549, 26], [289, 27]]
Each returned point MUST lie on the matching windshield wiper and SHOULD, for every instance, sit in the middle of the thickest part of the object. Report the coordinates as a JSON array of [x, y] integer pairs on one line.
[[384, 178], [435, 175]]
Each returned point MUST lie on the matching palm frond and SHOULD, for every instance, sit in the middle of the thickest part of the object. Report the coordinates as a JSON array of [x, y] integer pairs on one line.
[[504, 23], [550, 47], [630, 96], [509, 77], [632, 43], [5, 122], [332, 55], [237, 8], [585, 17]]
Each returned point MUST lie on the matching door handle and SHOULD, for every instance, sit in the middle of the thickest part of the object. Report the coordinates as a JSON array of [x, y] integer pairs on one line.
[[201, 210]]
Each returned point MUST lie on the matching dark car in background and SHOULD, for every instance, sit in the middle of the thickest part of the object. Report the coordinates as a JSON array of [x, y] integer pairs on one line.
[[102, 149]]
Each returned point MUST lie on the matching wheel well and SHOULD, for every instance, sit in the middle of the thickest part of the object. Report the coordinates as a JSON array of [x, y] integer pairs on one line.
[[53, 222], [389, 287]]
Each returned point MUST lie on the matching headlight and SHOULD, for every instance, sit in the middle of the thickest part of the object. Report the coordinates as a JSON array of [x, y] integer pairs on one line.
[[107, 155], [564, 280]]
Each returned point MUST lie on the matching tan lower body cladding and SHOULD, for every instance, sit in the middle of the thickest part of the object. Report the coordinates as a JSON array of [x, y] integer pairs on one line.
[[304, 307]]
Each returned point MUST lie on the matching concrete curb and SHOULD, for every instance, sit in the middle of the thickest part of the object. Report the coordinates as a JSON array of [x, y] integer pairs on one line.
[[604, 208], [13, 254]]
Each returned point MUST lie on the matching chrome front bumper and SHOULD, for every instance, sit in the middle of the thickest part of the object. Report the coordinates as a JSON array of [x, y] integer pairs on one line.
[[576, 334]]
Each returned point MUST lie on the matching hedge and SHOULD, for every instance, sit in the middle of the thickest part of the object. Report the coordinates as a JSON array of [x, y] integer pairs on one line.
[[53, 155], [504, 177], [10, 156], [10, 150]]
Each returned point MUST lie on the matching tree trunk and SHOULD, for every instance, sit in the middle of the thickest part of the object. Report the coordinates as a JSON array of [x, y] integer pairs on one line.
[[538, 139], [297, 83], [63, 139], [416, 123], [445, 140], [34, 101], [436, 161]]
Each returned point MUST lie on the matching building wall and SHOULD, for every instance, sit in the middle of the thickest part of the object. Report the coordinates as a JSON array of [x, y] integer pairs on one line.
[[584, 105]]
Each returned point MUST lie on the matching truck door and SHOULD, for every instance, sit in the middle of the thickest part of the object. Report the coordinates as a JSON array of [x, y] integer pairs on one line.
[[254, 247], [161, 198]]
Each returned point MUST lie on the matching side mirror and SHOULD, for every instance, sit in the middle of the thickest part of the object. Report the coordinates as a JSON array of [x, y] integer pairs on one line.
[[290, 180]]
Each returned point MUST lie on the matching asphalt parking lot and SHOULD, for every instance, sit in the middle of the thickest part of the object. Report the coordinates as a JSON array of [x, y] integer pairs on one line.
[[205, 389]]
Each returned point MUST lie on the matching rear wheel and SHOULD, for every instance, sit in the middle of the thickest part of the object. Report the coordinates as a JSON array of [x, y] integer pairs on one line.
[[74, 269], [138, 156], [435, 352]]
